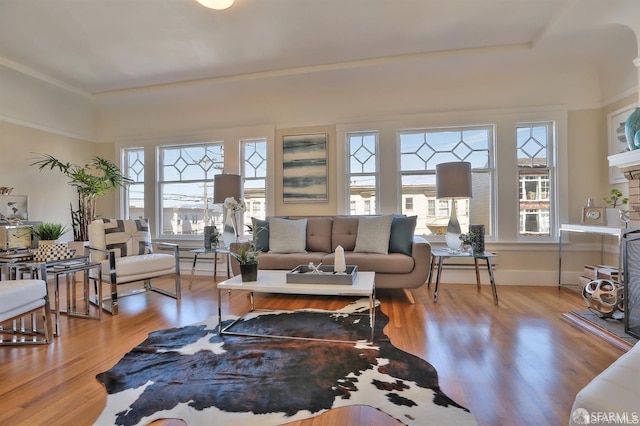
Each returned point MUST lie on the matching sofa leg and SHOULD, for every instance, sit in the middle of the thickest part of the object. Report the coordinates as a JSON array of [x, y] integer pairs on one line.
[[409, 295]]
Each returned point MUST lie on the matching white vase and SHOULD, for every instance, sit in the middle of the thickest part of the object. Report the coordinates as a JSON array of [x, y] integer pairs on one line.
[[613, 216]]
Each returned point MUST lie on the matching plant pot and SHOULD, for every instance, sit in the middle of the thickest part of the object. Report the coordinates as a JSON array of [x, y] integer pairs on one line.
[[249, 272], [613, 216]]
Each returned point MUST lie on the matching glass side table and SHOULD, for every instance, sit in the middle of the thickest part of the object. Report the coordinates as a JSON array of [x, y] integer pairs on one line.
[[215, 251], [440, 254]]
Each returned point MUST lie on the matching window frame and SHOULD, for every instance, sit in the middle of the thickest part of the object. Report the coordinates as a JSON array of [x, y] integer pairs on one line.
[[349, 174]]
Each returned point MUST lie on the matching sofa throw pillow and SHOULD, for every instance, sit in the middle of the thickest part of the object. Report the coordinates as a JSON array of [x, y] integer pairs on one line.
[[287, 236], [260, 234], [373, 234], [402, 230]]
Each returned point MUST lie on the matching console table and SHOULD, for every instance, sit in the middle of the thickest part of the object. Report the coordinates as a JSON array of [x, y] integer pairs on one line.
[[601, 230]]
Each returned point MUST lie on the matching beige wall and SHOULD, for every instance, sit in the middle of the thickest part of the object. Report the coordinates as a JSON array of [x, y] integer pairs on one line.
[[48, 191]]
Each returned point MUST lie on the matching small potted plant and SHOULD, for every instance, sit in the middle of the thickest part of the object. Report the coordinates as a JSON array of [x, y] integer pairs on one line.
[[247, 256], [467, 240], [48, 232], [613, 213]]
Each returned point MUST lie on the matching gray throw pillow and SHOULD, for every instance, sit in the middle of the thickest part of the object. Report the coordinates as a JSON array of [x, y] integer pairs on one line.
[[373, 234], [287, 236], [402, 230]]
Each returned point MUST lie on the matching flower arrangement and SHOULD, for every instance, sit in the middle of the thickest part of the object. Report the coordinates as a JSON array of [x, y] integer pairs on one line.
[[467, 238], [234, 207]]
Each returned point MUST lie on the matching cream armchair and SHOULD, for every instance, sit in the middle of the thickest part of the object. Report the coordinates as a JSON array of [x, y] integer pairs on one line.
[[126, 251], [22, 304]]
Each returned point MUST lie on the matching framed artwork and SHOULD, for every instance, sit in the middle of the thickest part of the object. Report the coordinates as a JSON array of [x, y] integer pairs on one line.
[[13, 207], [304, 168], [617, 139]]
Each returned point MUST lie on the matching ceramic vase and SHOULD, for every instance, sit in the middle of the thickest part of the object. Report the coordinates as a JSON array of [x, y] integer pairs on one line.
[[632, 130], [613, 216]]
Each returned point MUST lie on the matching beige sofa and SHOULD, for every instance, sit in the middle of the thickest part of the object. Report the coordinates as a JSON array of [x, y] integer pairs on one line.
[[405, 266]]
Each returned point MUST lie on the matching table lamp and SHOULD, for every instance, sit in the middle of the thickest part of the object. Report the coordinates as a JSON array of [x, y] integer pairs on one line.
[[453, 180]]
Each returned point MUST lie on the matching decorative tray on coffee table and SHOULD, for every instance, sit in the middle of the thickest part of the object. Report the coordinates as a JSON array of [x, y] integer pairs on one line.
[[303, 274]]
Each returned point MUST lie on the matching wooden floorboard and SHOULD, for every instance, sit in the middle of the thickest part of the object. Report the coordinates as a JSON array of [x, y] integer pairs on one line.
[[516, 363]]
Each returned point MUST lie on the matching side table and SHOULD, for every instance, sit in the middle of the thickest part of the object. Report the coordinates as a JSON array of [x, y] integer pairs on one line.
[[215, 252], [441, 254]]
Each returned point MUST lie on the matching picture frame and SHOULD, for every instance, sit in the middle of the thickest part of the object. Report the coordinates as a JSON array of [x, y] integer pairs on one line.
[[593, 215], [304, 168], [617, 140], [14, 207]]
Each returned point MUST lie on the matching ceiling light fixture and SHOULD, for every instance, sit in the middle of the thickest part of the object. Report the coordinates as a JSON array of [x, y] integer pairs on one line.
[[216, 4]]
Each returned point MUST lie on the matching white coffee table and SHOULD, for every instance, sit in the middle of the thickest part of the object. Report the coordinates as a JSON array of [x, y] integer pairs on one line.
[[275, 282]]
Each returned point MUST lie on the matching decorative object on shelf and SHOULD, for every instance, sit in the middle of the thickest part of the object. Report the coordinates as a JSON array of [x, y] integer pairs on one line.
[[632, 129], [593, 215], [477, 241], [453, 181], [227, 186], [604, 298], [616, 123], [48, 233], [247, 256], [97, 177], [5, 190], [211, 236]]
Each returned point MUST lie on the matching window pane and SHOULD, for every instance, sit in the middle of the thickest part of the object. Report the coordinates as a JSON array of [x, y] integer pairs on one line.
[[254, 171], [363, 172], [134, 193], [186, 187], [534, 177], [421, 151]]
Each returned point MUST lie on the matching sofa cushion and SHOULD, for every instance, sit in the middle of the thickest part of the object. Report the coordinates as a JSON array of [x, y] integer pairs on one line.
[[392, 263], [287, 236], [319, 234], [344, 232], [402, 230], [373, 234], [260, 233], [288, 261]]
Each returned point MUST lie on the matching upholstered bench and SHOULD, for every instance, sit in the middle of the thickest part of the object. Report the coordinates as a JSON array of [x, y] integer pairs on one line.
[[19, 298], [616, 390]]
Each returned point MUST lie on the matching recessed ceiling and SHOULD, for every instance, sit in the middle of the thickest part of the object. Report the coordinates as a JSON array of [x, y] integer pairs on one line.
[[99, 46]]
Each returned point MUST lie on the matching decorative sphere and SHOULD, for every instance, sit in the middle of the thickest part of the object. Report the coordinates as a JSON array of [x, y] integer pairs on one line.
[[603, 297], [632, 129]]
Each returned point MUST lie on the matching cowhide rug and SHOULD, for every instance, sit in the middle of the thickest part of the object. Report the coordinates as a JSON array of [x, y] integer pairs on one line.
[[192, 373]]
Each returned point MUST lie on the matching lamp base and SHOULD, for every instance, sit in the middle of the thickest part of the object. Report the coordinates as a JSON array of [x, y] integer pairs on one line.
[[452, 236]]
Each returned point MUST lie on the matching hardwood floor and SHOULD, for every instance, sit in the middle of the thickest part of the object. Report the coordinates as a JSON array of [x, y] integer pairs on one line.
[[516, 363]]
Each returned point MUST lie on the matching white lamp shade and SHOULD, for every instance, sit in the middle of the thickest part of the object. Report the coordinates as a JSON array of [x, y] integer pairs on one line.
[[453, 180], [225, 186], [216, 4]]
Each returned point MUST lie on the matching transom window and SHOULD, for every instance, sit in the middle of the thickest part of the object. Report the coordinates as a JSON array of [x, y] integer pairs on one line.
[[421, 150]]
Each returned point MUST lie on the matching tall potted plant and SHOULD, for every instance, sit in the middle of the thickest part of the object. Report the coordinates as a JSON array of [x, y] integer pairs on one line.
[[97, 177]]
